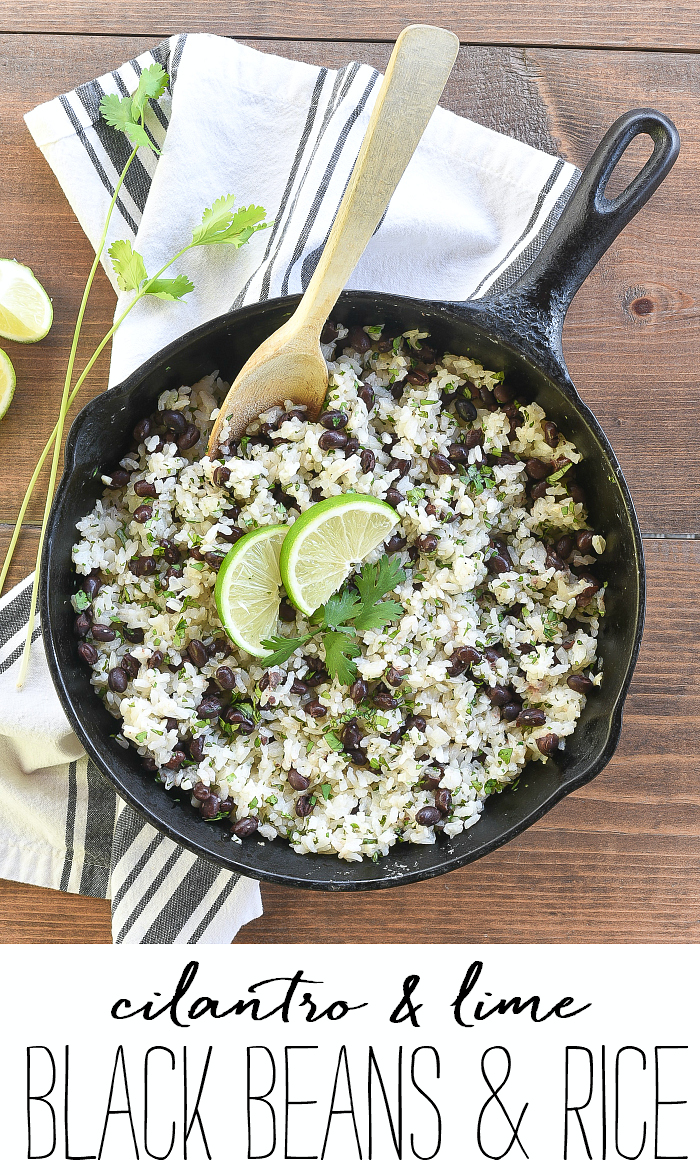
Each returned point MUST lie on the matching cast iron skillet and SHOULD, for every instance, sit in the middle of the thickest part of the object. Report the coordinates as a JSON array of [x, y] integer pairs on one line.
[[519, 332]]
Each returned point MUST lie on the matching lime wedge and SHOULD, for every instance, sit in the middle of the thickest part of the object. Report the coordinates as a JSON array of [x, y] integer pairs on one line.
[[26, 312], [247, 591], [7, 383], [322, 545]]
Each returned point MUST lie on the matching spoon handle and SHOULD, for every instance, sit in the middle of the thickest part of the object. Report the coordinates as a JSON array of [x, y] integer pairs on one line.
[[418, 69]]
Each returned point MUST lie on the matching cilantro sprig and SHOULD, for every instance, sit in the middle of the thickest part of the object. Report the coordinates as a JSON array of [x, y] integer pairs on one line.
[[220, 224], [346, 613]]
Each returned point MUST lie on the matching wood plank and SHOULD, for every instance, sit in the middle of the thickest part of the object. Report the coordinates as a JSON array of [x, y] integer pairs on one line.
[[622, 361], [618, 861], [620, 23]]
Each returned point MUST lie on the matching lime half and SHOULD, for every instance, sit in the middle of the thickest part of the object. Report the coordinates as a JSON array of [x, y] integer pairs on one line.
[[322, 545], [7, 383], [26, 312], [247, 592]]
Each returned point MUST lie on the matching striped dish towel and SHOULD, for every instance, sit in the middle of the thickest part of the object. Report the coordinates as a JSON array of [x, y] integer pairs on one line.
[[472, 210]]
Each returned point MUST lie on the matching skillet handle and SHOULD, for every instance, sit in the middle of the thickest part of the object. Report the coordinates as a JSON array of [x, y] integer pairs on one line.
[[586, 228]]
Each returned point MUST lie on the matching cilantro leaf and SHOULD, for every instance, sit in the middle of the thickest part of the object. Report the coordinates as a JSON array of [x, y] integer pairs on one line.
[[152, 83], [341, 607], [170, 289], [139, 136], [373, 582], [128, 266], [116, 111], [282, 648], [221, 225], [339, 651]]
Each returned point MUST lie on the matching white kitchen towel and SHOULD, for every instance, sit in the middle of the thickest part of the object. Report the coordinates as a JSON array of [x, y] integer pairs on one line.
[[471, 211]]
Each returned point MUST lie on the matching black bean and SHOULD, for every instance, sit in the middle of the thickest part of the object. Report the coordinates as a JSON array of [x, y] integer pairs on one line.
[[358, 691], [418, 377], [143, 512], [103, 633], [359, 757], [396, 543], [131, 666], [487, 397], [455, 668], [583, 598], [499, 564], [171, 553], [333, 419], [393, 677], [209, 707], [299, 688], [500, 695], [245, 827], [226, 677], [459, 454], [511, 710], [188, 439], [220, 645], [580, 682], [117, 680], [351, 735], [551, 432], [351, 446], [226, 805], [213, 559], [169, 437], [198, 653], [393, 497], [402, 464], [494, 654], [315, 709], [196, 752], [92, 584], [393, 440], [536, 469], [144, 489], [303, 806], [172, 724], [507, 458], [234, 717], [428, 816], [367, 396], [428, 543], [174, 422], [147, 565], [142, 430], [548, 744], [81, 625], [200, 791], [175, 761], [531, 717], [213, 687], [367, 461], [237, 533], [298, 781], [439, 464], [329, 333], [466, 410], [419, 722], [357, 339], [575, 492], [287, 612], [564, 546], [466, 655], [120, 477], [221, 475], [156, 660], [443, 799], [474, 439], [584, 541], [210, 807], [396, 736], [332, 439], [503, 394], [383, 700], [539, 490], [554, 560], [293, 414]]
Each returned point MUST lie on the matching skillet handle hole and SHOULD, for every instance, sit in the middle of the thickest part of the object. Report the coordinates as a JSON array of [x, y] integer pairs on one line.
[[629, 165]]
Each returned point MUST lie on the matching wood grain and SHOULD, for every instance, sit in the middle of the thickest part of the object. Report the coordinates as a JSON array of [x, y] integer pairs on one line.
[[630, 337], [620, 23], [617, 861]]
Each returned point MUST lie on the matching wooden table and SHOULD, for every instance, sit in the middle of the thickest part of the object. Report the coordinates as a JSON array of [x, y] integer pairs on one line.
[[618, 860]]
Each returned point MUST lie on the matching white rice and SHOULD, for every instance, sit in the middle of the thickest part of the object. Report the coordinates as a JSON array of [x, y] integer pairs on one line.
[[358, 811]]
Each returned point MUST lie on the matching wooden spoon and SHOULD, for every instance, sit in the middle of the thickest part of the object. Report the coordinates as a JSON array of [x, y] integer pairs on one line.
[[289, 365]]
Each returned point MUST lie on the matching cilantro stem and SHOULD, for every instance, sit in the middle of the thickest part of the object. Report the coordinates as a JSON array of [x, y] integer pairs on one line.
[[61, 422]]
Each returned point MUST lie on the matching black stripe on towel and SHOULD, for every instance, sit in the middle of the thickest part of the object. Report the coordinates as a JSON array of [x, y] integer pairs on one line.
[[160, 879], [99, 828], [183, 902], [14, 614], [129, 826], [116, 146], [15, 656], [99, 169], [70, 825], [556, 170], [323, 186], [524, 259]]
